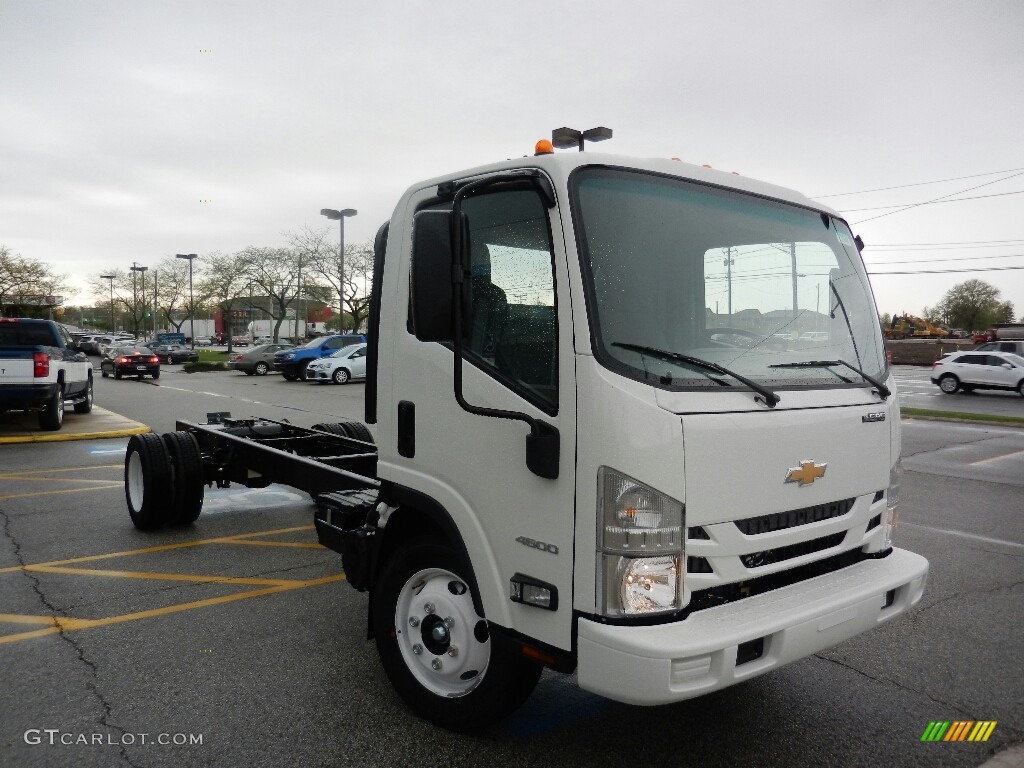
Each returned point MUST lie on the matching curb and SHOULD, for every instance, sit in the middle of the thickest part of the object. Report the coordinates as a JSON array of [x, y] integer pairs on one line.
[[18, 432]]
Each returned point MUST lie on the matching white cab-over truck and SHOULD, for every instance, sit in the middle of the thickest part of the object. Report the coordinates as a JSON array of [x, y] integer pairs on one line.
[[634, 421]]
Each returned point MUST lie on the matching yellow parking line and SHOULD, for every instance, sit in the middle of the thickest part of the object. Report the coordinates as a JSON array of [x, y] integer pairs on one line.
[[5, 475], [160, 548], [63, 624], [272, 533], [66, 490], [44, 479], [18, 618], [297, 544], [188, 577]]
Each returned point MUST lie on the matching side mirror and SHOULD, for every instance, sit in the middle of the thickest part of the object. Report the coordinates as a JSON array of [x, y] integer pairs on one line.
[[1007, 366], [432, 276]]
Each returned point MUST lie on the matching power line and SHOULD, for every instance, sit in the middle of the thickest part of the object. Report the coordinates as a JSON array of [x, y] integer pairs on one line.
[[962, 258], [944, 271], [899, 249], [920, 183], [941, 197], [928, 202], [963, 242]]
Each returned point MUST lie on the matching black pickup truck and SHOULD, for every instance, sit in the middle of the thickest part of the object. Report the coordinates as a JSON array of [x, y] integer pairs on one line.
[[40, 370]]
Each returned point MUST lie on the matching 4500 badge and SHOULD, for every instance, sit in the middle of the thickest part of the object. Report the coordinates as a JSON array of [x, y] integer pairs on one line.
[[534, 544]]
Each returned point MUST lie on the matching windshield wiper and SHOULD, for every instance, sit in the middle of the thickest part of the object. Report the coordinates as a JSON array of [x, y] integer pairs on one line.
[[883, 391], [770, 398]]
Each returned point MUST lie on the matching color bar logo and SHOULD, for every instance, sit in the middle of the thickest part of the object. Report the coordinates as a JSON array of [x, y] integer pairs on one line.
[[958, 730]]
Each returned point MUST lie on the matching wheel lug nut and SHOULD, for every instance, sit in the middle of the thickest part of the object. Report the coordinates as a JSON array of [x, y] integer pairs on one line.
[[417, 649], [429, 607], [436, 663], [453, 651], [449, 622], [413, 621]]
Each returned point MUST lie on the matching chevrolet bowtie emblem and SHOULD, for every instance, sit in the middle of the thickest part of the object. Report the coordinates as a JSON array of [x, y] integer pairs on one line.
[[806, 473]]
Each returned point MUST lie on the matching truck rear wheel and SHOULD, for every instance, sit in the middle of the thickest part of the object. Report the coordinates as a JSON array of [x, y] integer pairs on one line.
[[52, 416], [436, 649], [187, 477], [85, 406], [147, 481], [354, 429]]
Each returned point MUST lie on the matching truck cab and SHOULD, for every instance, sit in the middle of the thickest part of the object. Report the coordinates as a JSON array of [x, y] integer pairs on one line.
[[601, 417]]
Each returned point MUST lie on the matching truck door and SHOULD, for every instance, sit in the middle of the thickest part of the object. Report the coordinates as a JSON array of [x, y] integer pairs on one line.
[[517, 346]]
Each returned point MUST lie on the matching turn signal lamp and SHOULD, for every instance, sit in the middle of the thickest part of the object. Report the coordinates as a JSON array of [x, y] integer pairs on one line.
[[543, 147]]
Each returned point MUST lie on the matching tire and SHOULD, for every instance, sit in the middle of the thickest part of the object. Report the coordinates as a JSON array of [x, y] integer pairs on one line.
[[51, 418], [304, 372], [156, 375], [354, 429], [86, 405], [148, 486], [103, 372], [1020, 388], [186, 477], [248, 373], [949, 384], [340, 376], [421, 586], [289, 376], [117, 373], [261, 369]]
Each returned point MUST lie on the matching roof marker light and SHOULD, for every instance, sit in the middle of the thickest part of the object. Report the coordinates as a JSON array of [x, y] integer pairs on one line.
[[543, 147]]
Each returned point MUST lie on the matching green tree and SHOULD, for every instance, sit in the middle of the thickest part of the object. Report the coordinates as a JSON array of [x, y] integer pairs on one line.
[[973, 304]]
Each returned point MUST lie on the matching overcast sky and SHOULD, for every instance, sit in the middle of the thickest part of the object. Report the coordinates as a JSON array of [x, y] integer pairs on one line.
[[118, 118]]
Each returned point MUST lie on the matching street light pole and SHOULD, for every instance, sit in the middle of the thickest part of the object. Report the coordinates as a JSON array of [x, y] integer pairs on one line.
[[191, 301], [563, 138], [137, 268], [110, 278], [340, 216]]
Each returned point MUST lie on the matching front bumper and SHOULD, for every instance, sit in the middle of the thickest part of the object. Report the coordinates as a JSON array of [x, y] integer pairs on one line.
[[671, 662]]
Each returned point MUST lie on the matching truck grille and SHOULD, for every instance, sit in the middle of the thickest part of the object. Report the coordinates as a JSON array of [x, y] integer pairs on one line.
[[754, 526], [771, 556]]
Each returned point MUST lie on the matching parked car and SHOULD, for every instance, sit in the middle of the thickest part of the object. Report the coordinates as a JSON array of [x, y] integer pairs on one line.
[[292, 363], [92, 345], [815, 337], [968, 371], [175, 353], [1016, 347], [341, 367], [240, 341], [130, 361], [258, 360]]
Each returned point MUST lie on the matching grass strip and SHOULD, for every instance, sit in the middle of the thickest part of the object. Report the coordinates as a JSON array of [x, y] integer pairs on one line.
[[988, 418]]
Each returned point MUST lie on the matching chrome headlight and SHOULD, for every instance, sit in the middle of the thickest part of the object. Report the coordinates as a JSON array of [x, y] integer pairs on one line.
[[640, 547]]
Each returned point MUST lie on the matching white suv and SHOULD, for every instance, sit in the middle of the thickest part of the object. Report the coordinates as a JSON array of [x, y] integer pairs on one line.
[[979, 370]]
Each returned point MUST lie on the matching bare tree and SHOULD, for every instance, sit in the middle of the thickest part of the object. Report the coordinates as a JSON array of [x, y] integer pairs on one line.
[[224, 283], [172, 291], [133, 292], [26, 281], [277, 274], [319, 251]]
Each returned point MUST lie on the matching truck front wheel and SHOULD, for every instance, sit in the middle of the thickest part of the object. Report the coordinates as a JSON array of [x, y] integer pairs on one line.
[[436, 650]]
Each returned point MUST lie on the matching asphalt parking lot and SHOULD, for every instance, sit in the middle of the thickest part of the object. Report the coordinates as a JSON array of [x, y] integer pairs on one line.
[[237, 641]]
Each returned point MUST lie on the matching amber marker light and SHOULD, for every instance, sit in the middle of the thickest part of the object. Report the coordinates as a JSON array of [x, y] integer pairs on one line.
[[543, 147]]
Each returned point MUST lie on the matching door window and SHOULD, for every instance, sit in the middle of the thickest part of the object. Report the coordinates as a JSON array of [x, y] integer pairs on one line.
[[512, 319]]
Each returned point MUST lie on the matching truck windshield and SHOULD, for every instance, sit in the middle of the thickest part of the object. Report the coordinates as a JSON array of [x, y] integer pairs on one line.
[[751, 284]]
